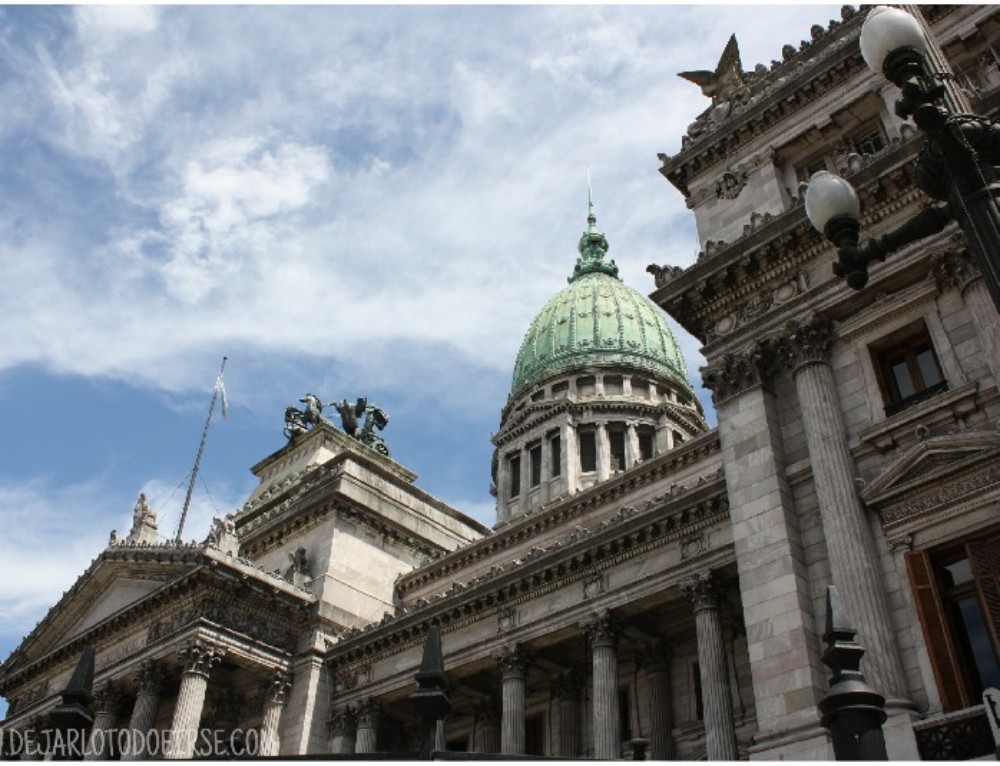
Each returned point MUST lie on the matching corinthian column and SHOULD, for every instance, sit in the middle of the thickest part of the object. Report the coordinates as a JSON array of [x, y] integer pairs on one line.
[[603, 635], [854, 562], [567, 692], [486, 736], [369, 713], [198, 658], [109, 701], [513, 668], [343, 731], [660, 708], [720, 726], [147, 704], [603, 452], [275, 699]]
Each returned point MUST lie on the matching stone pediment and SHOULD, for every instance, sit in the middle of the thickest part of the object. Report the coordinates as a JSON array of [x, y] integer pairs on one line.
[[937, 471], [109, 585]]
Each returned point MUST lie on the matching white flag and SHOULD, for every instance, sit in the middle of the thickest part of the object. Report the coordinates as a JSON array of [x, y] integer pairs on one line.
[[220, 388]]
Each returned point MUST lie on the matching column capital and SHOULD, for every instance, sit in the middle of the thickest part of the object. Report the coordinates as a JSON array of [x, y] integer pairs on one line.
[[275, 691], [109, 698], [805, 342], [512, 661], [369, 712], [703, 591], [343, 721], [735, 373], [603, 630], [200, 656], [655, 657], [953, 267], [487, 712], [567, 687], [151, 678]]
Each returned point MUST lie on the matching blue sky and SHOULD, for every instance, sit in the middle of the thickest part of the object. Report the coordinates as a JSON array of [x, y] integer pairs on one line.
[[344, 200]]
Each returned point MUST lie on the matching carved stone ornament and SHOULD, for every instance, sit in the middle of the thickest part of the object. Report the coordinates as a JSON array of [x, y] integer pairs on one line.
[[593, 586], [731, 184], [953, 268], [702, 591], [487, 712], [343, 722], [369, 712], [201, 656], [694, 546], [805, 342], [151, 678], [735, 373], [506, 620], [109, 698], [276, 691], [664, 274], [512, 661], [603, 630], [567, 687]]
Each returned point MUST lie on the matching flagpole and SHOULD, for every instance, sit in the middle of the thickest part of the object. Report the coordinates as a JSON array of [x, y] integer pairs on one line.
[[201, 449]]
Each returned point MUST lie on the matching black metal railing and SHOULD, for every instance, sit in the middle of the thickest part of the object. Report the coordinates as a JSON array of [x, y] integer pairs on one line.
[[959, 737]]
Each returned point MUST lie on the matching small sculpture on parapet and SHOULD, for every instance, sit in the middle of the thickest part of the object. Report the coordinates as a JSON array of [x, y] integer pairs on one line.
[[299, 421], [374, 417], [144, 523], [222, 535]]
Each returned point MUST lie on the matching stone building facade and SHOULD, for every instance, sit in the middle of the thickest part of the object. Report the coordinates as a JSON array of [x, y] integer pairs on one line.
[[649, 579]]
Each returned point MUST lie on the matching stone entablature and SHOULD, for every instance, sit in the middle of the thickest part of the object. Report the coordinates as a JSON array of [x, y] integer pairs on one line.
[[727, 295], [578, 556], [792, 87], [675, 463]]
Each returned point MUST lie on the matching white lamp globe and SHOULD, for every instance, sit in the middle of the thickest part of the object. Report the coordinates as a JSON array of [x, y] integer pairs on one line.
[[829, 196], [886, 30]]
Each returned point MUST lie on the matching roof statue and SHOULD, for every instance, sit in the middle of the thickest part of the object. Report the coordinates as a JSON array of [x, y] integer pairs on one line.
[[298, 421], [144, 523], [727, 86]]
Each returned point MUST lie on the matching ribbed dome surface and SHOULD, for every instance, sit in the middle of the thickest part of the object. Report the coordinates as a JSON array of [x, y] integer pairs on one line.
[[596, 320]]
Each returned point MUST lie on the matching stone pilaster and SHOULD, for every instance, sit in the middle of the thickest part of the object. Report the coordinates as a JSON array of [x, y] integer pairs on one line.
[[717, 703], [198, 658], [504, 500], [109, 702], [661, 741], [525, 466], [854, 561], [567, 694], [603, 634], [603, 452], [486, 735], [343, 730], [513, 669], [954, 269], [570, 456], [369, 713], [275, 694], [151, 679]]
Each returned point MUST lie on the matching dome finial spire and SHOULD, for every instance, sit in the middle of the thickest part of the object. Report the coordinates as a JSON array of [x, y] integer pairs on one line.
[[593, 244]]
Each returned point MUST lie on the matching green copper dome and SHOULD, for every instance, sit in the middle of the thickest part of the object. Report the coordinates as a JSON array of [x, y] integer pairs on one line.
[[597, 320]]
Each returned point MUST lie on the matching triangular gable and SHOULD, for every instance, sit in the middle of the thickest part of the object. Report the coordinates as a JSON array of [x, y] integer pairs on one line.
[[110, 584], [931, 461]]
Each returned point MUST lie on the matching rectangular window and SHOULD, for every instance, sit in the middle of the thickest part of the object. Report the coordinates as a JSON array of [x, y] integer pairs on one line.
[[514, 469], [535, 454], [868, 140], [588, 451], [646, 441], [586, 386], [617, 439], [907, 369], [678, 438], [957, 593], [555, 453], [640, 388]]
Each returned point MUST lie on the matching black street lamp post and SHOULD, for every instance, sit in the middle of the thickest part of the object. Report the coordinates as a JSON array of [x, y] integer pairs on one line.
[[959, 164]]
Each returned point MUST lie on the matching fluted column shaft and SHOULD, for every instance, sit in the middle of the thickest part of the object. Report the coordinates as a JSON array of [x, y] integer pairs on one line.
[[603, 452], [984, 316], [367, 737], [661, 744], [275, 699], [603, 634], [568, 694], [109, 702], [147, 705], [343, 731], [199, 658], [486, 735], [570, 457], [513, 668], [854, 562], [717, 703], [632, 453]]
